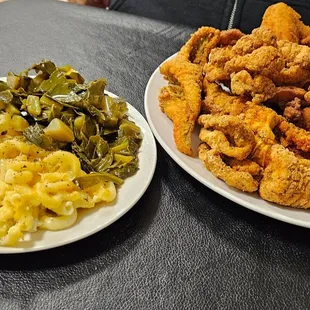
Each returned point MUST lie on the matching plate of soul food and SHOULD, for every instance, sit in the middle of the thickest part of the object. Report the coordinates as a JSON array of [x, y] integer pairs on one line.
[[73, 157], [233, 110]]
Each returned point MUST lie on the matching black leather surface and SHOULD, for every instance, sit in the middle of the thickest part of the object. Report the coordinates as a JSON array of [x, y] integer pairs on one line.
[[182, 246], [188, 12]]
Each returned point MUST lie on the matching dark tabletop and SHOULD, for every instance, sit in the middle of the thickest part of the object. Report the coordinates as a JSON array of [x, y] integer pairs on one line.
[[181, 246]]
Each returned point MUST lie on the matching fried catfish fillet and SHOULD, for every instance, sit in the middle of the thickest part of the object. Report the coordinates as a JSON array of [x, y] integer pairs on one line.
[[220, 102], [181, 99], [260, 88], [242, 180], [227, 134], [285, 24], [230, 37], [198, 47], [239, 134], [257, 64], [286, 179]]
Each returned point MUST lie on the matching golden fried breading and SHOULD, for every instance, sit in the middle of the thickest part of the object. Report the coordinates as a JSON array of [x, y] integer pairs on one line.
[[287, 93], [262, 121], [178, 111], [294, 54], [297, 64], [230, 37], [306, 118], [244, 143], [214, 69], [283, 21], [285, 24], [220, 102], [214, 163], [294, 75], [241, 138], [241, 83], [264, 61], [244, 165], [286, 179], [282, 62], [307, 96], [305, 34], [199, 46], [261, 88], [293, 111], [188, 76], [258, 38], [292, 135]]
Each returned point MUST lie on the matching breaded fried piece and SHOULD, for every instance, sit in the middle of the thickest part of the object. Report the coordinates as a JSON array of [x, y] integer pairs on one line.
[[186, 102], [220, 102], [178, 111], [230, 37], [305, 34], [295, 136], [258, 38], [294, 75], [224, 60], [287, 93], [264, 61], [244, 165], [214, 69], [297, 64], [262, 121], [283, 21], [286, 179], [199, 46], [294, 54], [228, 135], [285, 24], [189, 76], [241, 180], [261, 88]]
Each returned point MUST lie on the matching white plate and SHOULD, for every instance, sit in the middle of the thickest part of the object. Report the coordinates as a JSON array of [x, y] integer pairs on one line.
[[162, 129], [93, 220]]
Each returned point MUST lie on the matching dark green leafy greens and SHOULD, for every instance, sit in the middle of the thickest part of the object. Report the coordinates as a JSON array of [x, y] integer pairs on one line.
[[105, 140]]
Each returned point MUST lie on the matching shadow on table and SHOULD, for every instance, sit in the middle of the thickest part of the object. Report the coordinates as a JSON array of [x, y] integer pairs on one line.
[[110, 244], [268, 239]]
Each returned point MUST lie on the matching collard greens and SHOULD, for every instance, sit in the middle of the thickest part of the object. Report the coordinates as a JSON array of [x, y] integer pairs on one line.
[[105, 140]]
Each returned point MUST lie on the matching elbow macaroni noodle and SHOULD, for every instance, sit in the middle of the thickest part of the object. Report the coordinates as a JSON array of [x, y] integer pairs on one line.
[[37, 189]]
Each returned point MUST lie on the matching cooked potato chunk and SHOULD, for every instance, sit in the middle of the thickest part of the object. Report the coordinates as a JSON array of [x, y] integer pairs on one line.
[[59, 131]]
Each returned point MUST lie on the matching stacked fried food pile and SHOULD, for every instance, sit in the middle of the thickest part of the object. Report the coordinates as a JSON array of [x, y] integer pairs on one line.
[[250, 94]]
